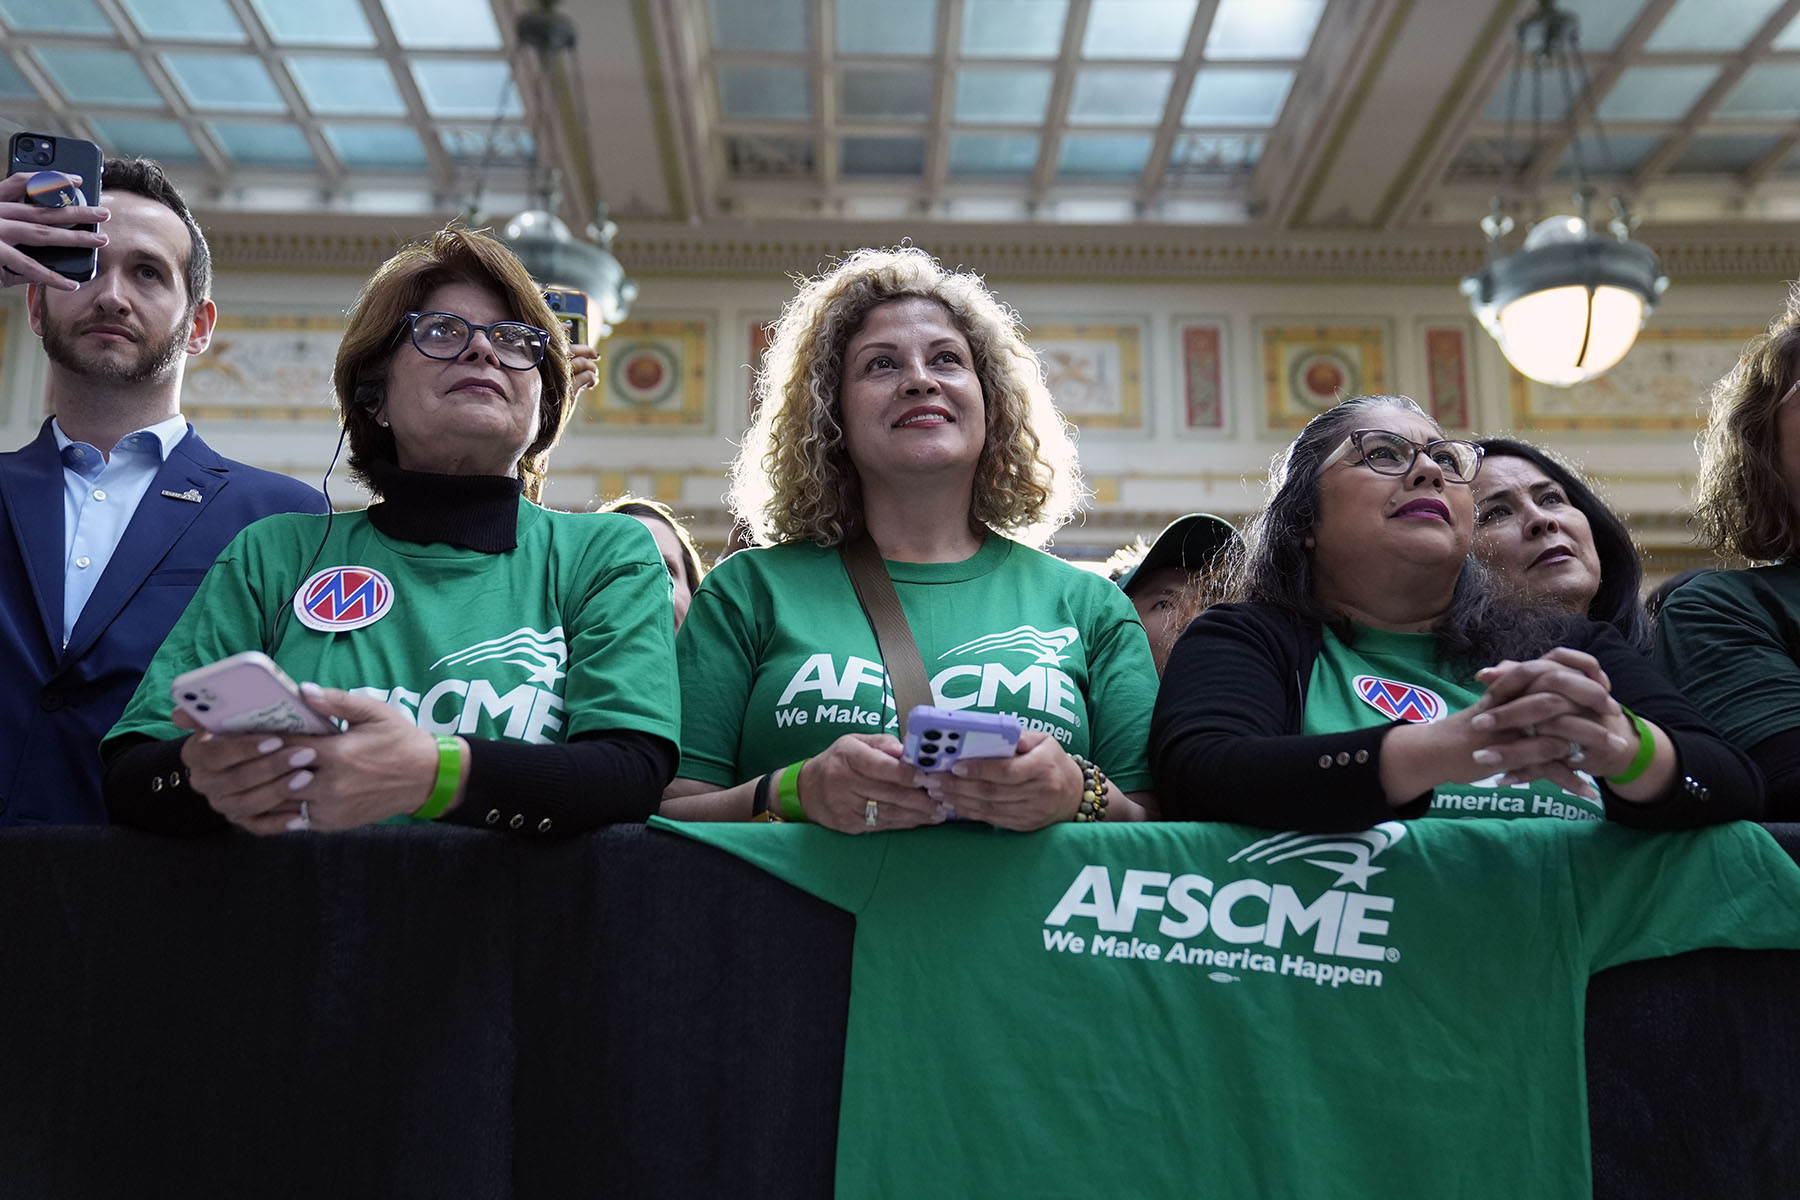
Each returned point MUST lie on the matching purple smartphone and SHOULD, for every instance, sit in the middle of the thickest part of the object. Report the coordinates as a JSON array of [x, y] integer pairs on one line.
[[936, 738], [246, 693]]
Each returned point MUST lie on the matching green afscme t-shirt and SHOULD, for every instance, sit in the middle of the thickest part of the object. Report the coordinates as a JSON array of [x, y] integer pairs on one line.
[[1292, 1015], [778, 660], [1385, 677], [569, 632]]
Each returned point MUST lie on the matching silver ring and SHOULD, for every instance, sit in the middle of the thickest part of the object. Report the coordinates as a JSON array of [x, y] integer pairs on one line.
[[871, 811], [305, 816], [1528, 731], [1577, 754]]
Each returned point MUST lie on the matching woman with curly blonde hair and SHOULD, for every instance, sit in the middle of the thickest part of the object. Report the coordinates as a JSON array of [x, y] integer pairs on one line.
[[900, 402], [1731, 639]]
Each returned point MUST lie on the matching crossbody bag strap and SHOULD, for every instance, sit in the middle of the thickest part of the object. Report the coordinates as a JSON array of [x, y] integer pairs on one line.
[[881, 604]]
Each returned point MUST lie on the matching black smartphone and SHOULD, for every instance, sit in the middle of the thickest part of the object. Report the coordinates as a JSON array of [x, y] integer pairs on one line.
[[571, 308], [34, 152]]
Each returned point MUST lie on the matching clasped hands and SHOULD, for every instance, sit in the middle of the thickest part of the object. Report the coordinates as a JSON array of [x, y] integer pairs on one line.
[[1037, 786], [1546, 718], [381, 765]]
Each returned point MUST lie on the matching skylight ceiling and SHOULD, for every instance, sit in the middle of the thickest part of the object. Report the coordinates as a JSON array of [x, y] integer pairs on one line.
[[411, 100], [1022, 98]]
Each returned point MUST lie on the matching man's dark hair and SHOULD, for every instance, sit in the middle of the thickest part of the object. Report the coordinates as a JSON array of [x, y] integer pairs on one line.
[[145, 177]]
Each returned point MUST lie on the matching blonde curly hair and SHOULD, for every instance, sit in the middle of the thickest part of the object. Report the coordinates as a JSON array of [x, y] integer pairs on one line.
[[792, 479]]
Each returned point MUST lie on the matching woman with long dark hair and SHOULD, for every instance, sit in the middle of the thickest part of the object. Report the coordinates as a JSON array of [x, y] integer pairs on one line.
[[1369, 670], [1548, 539]]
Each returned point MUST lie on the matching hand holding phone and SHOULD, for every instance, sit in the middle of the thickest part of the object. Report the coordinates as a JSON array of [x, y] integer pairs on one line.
[[938, 738], [246, 693], [48, 217]]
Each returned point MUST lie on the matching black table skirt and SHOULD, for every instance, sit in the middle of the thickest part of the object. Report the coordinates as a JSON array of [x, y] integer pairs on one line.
[[443, 1012]]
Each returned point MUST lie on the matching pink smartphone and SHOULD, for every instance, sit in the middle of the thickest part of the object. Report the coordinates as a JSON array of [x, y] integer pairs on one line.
[[246, 693], [936, 738]]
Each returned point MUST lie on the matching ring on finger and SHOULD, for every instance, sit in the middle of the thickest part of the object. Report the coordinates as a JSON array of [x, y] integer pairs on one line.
[[1577, 754], [305, 816], [1528, 731], [871, 813]]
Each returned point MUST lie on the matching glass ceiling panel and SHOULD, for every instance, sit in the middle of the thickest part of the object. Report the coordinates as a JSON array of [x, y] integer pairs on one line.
[[1768, 90], [1138, 28], [1789, 38], [1656, 93], [56, 16], [443, 24], [1216, 151], [1551, 103], [480, 143], [890, 27], [1120, 96], [760, 25], [164, 140], [1731, 153], [380, 146], [100, 77], [881, 156], [1710, 24], [782, 93], [1241, 96], [316, 22], [229, 81], [13, 85], [346, 85], [1263, 28], [756, 157], [1104, 156], [992, 154], [196, 20], [886, 93], [1603, 22], [1003, 95], [1013, 28], [1622, 154], [262, 145], [467, 89]]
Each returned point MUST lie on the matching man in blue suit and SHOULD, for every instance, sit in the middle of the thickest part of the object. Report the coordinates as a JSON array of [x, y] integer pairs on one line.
[[111, 516]]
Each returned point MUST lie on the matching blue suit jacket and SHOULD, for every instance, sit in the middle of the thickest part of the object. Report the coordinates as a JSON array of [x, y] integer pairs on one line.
[[56, 703]]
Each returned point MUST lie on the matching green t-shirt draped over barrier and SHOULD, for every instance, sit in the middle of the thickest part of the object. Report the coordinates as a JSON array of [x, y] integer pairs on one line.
[[1386, 677], [778, 661], [570, 632], [1215, 1010]]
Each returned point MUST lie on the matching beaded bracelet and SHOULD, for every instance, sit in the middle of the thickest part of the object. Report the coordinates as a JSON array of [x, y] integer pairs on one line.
[[1645, 752], [1093, 791]]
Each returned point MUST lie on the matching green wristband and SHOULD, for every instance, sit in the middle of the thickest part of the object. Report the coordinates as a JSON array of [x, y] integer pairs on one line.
[[1645, 752], [787, 792], [443, 792]]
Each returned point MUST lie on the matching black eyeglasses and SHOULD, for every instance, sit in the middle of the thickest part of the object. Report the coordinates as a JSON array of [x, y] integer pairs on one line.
[[1387, 453], [517, 346]]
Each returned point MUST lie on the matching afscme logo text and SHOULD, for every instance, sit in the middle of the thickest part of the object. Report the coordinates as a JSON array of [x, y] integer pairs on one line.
[[1242, 912]]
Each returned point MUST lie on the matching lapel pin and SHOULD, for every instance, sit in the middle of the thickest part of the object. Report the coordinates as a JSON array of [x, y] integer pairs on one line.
[[192, 495]]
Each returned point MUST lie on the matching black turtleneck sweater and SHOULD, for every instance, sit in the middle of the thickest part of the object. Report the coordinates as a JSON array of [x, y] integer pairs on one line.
[[594, 779]]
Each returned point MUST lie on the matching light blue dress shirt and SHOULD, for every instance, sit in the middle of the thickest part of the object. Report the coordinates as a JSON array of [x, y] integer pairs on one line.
[[99, 495]]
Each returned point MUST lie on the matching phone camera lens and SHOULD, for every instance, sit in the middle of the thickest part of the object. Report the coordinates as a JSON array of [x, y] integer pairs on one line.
[[928, 760], [190, 697], [952, 735], [42, 158], [203, 707]]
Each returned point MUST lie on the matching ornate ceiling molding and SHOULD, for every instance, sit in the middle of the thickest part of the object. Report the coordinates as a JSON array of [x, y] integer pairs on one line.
[[1094, 254]]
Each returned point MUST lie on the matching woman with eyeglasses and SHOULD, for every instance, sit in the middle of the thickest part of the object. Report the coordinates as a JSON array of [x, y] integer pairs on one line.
[[492, 663], [1367, 672], [1731, 639]]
